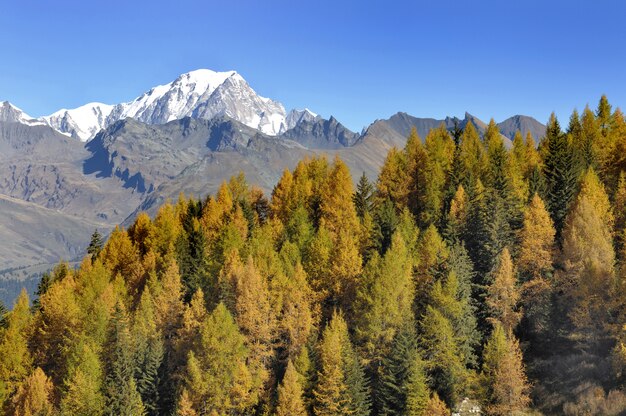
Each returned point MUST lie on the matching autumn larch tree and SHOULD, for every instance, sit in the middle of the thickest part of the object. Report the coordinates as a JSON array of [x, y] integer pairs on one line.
[[290, 400]]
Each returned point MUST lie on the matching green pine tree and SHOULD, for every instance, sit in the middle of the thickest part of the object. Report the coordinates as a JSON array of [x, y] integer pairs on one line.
[[363, 196], [122, 397], [402, 388], [95, 245], [560, 173]]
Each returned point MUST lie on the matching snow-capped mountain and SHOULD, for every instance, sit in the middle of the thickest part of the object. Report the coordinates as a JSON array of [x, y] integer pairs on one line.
[[296, 117], [11, 114], [235, 99], [200, 94], [83, 122]]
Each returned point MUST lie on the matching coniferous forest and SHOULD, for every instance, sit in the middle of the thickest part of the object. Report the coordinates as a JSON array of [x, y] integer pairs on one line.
[[470, 268]]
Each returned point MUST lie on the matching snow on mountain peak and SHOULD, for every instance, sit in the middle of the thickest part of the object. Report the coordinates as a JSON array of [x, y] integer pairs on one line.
[[297, 116], [175, 100], [12, 114], [82, 122], [201, 93]]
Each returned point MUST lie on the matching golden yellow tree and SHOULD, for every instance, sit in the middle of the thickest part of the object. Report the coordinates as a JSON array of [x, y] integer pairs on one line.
[[436, 407], [297, 317], [255, 317], [393, 179], [121, 256], [34, 396], [473, 155], [503, 295], [588, 258], [15, 358], [337, 208], [290, 401], [537, 246]]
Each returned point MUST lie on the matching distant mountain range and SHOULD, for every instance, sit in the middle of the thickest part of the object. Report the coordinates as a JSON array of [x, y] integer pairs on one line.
[[99, 165]]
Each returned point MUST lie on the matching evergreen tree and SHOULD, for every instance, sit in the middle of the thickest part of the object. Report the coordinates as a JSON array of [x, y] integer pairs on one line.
[[586, 146], [95, 245], [402, 389], [560, 173], [537, 183], [363, 197], [465, 323], [417, 170], [3, 312], [122, 397], [604, 114], [441, 352], [385, 223], [488, 233], [191, 249], [458, 175], [83, 384], [384, 299], [149, 352], [356, 382], [148, 382], [620, 215], [575, 128]]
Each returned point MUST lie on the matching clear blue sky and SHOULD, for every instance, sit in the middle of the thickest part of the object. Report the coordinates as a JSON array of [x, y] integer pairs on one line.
[[356, 60]]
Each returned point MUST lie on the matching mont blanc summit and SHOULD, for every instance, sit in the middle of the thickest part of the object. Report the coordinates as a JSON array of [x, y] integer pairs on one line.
[[202, 94]]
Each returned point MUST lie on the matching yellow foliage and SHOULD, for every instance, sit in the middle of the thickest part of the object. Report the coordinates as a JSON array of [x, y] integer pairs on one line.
[[537, 247], [33, 397], [503, 295]]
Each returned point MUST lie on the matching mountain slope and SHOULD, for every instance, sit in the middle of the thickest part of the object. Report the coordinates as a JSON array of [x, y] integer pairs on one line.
[[42, 166], [318, 133], [525, 125], [32, 234]]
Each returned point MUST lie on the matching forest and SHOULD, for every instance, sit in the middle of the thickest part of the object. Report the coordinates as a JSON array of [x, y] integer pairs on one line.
[[468, 269]]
